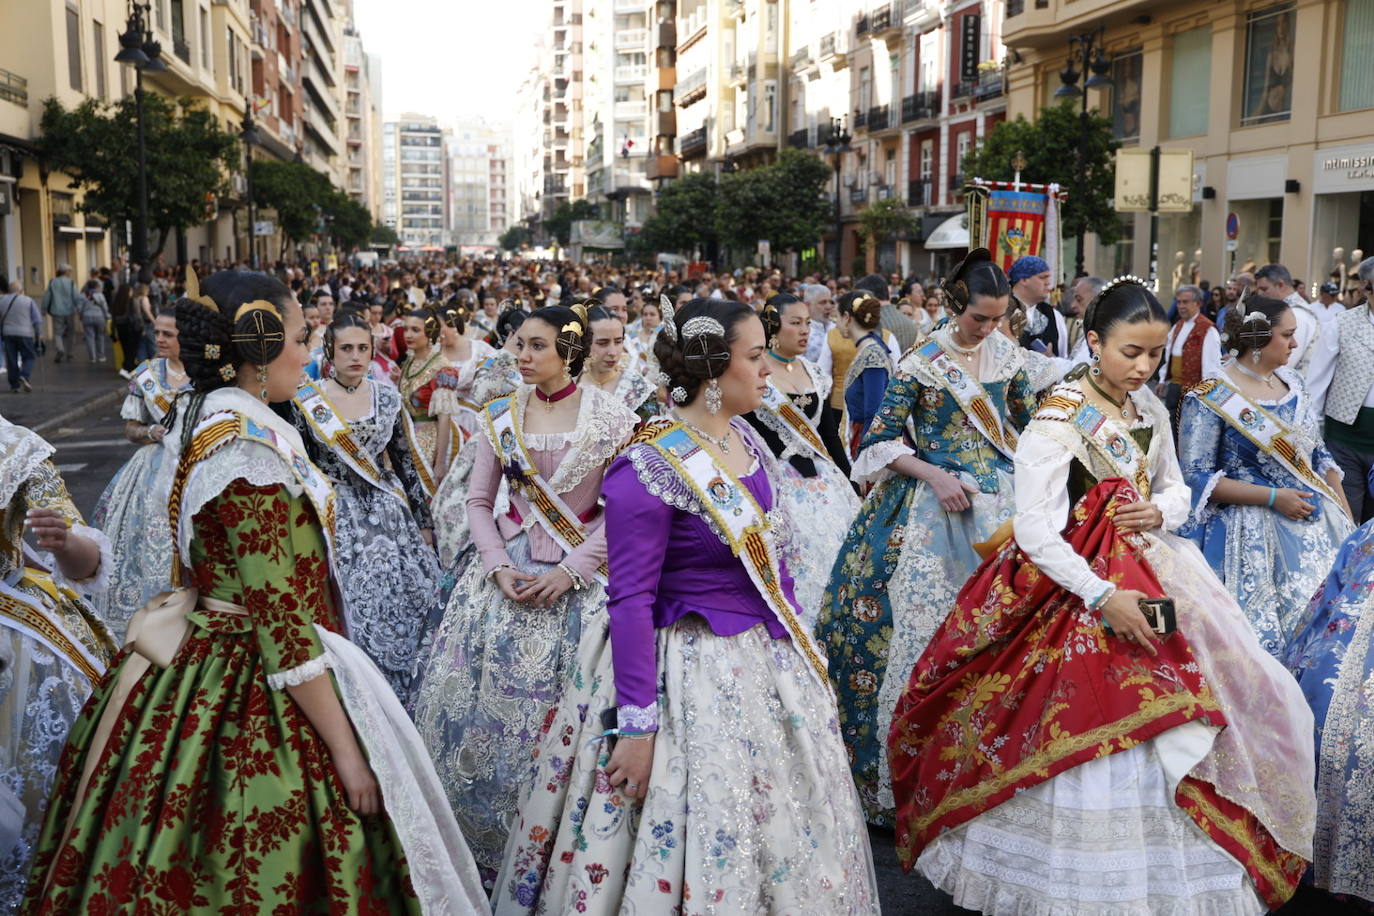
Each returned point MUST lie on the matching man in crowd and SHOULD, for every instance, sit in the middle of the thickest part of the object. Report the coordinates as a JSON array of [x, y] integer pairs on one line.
[[20, 328], [59, 302], [1341, 382], [1328, 304], [1273, 281], [822, 305], [903, 328], [1193, 352], [1084, 291], [1045, 328]]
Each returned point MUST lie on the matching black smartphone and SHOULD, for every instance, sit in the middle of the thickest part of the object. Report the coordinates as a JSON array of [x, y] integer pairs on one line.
[[1159, 613], [609, 724]]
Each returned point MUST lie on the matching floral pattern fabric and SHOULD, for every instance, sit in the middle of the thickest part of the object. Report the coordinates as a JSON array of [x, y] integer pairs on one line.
[[1271, 563], [214, 793], [388, 574], [1332, 657], [905, 558], [749, 806]]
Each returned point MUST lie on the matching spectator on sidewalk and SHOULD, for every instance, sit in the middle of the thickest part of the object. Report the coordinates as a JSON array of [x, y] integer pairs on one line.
[[59, 301], [95, 315], [20, 328], [128, 327], [143, 309]]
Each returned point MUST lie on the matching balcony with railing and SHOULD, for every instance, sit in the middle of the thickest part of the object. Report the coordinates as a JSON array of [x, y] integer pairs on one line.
[[860, 119], [963, 89], [631, 38], [14, 88], [631, 73], [181, 48], [801, 57], [990, 85], [920, 192], [635, 109], [858, 195], [886, 192], [737, 76], [693, 142], [920, 106], [1015, 7], [956, 183], [696, 80], [878, 118], [861, 27], [882, 20]]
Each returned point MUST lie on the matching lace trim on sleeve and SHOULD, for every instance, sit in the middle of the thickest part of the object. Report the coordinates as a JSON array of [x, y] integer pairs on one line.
[[603, 424], [871, 465], [636, 719], [663, 483], [1205, 508], [294, 677], [135, 408], [99, 581], [444, 401]]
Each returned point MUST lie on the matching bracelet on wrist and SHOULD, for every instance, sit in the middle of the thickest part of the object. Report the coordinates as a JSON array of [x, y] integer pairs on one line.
[[1101, 600], [1273, 495], [578, 582]]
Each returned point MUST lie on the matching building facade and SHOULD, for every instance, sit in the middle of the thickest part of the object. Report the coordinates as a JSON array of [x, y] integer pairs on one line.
[[479, 163], [1274, 100], [415, 180]]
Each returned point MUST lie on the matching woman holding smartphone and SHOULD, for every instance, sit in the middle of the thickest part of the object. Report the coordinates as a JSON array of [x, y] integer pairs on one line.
[[1058, 747]]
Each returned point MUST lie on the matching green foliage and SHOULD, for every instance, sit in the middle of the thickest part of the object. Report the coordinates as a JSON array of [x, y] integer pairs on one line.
[[382, 234], [885, 219], [780, 202], [189, 156], [559, 225], [515, 237], [350, 224], [296, 191], [684, 217], [1051, 145]]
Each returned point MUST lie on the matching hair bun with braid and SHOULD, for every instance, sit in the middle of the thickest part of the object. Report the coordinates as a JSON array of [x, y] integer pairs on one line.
[[207, 347], [258, 335]]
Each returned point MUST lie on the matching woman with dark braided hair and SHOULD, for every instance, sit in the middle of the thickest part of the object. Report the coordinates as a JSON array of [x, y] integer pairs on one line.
[[705, 764], [938, 454], [509, 634], [453, 396], [242, 755], [1075, 739], [427, 432], [815, 488], [606, 359], [348, 422]]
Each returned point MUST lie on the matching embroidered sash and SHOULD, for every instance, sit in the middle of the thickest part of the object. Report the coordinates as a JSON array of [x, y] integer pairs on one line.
[[1119, 449], [738, 516], [965, 388], [1263, 428], [333, 430], [24, 614], [155, 394], [780, 405], [217, 430], [502, 422], [424, 466]]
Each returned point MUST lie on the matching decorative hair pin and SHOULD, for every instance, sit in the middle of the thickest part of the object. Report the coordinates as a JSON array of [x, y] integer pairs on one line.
[[701, 325], [212, 351], [663, 379], [668, 326], [1123, 280], [227, 372], [1257, 317]]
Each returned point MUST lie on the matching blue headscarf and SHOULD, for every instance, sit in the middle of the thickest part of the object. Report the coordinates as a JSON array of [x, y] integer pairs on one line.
[[1027, 266]]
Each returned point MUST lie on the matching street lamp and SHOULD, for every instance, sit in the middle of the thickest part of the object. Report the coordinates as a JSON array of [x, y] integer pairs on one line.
[[137, 47], [249, 135], [837, 144], [1085, 55]]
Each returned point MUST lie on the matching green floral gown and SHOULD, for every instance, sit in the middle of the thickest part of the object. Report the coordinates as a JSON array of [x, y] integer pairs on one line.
[[214, 794]]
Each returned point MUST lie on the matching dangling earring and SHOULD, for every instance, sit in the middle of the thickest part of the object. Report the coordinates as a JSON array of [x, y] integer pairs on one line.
[[262, 380], [713, 396], [1255, 358], [773, 342], [567, 375], [1095, 360]]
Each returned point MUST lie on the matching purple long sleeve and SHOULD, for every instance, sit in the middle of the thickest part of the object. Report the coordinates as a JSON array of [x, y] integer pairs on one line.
[[666, 563]]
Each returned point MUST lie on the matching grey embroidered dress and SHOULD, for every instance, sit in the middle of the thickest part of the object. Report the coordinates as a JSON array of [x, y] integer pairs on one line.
[[388, 574]]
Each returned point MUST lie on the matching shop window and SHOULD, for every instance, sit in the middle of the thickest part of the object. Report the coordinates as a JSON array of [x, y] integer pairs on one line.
[[1267, 95], [1190, 80], [74, 47], [1357, 78], [1126, 72]]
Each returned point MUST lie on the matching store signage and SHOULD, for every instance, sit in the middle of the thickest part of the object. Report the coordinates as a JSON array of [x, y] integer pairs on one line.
[[1337, 170], [1175, 181], [970, 46]]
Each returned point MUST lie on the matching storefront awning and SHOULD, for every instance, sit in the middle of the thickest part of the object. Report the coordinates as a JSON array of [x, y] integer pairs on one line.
[[952, 233]]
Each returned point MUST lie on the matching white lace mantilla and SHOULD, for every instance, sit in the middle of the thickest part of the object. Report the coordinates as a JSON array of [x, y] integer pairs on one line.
[[21, 450], [603, 425]]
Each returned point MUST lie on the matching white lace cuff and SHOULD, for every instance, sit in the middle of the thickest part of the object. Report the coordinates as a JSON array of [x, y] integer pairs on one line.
[[99, 581], [294, 677], [633, 720], [444, 402], [1205, 508], [1328, 465], [871, 465]]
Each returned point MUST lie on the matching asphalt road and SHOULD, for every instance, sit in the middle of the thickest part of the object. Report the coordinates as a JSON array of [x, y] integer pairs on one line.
[[92, 448]]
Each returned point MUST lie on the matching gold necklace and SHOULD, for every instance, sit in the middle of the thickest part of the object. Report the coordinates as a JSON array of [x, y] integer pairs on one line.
[[966, 354], [1119, 405], [407, 375]]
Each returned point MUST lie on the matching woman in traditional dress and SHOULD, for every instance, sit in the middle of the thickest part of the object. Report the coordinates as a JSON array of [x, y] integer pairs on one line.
[[133, 509], [494, 377], [814, 489], [1332, 657], [221, 765], [724, 781], [427, 432], [53, 647], [1268, 510], [604, 366], [865, 381], [642, 342], [1054, 752], [453, 398], [389, 574], [939, 455], [509, 635]]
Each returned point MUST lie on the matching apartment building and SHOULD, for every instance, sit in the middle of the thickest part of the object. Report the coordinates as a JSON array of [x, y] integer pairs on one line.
[[415, 180], [479, 162], [616, 108], [275, 73], [362, 119], [1274, 100], [324, 124]]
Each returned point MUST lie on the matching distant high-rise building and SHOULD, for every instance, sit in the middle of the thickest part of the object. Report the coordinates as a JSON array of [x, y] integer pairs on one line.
[[415, 180], [479, 158], [361, 108]]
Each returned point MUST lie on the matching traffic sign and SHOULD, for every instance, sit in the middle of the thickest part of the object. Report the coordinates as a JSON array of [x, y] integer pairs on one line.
[[1232, 244], [1232, 225]]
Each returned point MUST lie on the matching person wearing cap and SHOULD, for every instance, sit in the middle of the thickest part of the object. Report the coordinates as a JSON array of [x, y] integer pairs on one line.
[[1328, 304], [1030, 286]]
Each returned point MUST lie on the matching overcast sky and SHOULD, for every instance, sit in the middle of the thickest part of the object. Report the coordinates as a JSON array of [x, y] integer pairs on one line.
[[449, 58]]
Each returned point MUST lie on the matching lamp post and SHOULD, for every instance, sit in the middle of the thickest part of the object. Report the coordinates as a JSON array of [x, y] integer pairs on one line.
[[1085, 54], [837, 144], [137, 47], [249, 135]]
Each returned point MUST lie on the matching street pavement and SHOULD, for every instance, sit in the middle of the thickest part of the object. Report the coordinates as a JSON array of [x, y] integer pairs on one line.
[[76, 407]]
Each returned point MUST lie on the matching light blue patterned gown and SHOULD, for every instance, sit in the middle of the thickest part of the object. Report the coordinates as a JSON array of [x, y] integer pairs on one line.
[[1270, 563]]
